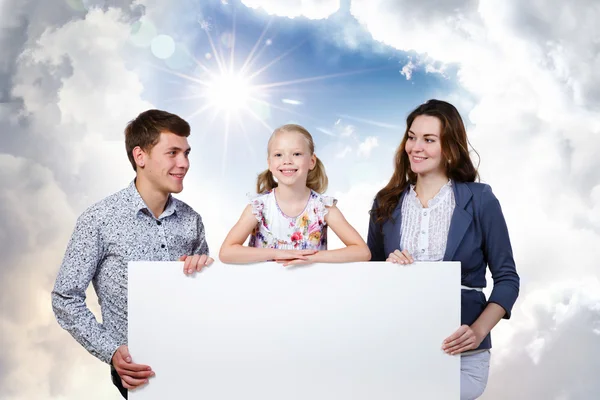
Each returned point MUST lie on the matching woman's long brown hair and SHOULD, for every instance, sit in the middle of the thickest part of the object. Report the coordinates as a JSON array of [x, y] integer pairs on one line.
[[455, 150]]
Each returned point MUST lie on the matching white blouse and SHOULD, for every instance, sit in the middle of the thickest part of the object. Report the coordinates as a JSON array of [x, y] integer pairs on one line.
[[425, 230]]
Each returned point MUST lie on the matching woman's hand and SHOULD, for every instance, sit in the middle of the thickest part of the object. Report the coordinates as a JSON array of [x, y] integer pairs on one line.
[[400, 257], [464, 339]]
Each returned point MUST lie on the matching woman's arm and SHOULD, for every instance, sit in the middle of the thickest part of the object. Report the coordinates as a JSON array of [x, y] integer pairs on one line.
[[233, 250], [498, 253]]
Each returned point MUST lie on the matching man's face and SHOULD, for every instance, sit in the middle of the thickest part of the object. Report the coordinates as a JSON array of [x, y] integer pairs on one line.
[[166, 164]]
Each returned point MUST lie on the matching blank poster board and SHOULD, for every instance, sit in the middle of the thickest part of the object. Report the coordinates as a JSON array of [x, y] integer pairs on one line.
[[355, 331]]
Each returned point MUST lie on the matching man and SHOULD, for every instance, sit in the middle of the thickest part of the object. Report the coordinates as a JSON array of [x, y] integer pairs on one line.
[[140, 223]]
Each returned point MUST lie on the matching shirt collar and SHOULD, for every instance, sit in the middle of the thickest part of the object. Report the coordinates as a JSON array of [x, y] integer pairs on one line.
[[436, 199], [138, 205]]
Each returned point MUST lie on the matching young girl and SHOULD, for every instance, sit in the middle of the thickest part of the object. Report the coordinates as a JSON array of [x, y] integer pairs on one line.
[[431, 210], [288, 219]]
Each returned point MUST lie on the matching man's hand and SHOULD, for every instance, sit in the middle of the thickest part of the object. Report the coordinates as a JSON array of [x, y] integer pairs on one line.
[[132, 375], [195, 263]]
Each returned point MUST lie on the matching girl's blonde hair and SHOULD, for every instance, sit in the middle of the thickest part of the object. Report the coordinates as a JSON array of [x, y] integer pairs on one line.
[[317, 178]]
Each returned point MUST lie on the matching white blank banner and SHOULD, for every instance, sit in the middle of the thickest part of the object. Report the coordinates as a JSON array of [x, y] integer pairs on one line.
[[356, 331]]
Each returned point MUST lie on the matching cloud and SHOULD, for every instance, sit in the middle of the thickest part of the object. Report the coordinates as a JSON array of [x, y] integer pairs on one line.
[[291, 101], [557, 337], [527, 84], [408, 69], [344, 152], [313, 9], [69, 95], [366, 147]]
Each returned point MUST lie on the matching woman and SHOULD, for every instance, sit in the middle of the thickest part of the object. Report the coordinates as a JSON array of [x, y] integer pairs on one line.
[[432, 210]]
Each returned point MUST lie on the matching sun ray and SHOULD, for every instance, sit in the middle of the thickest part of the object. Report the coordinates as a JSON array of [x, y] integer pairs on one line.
[[197, 112], [316, 78], [245, 133], [283, 109], [218, 55], [180, 75], [249, 60], [259, 119], [232, 54], [276, 60], [225, 141], [371, 122]]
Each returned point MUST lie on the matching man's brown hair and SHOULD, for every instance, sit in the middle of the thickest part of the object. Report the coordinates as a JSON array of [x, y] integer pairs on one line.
[[144, 131]]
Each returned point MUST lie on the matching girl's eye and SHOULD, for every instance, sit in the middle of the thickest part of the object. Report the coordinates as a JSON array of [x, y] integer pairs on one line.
[[277, 155], [430, 140], [411, 138], [297, 154]]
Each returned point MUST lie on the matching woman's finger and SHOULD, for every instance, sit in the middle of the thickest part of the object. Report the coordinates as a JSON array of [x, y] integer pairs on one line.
[[402, 259], [408, 256]]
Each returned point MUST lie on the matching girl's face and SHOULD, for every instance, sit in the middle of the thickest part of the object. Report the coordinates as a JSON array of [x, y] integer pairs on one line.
[[290, 159], [424, 147]]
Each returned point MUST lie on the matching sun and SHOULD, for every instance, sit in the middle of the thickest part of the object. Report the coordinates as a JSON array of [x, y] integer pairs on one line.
[[229, 91]]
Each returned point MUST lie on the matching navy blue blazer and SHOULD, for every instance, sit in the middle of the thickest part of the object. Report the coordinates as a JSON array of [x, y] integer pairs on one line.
[[478, 237]]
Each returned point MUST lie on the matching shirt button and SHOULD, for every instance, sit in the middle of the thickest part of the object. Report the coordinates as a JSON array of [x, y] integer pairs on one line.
[[423, 232], [422, 250], [425, 213], [158, 223], [162, 246]]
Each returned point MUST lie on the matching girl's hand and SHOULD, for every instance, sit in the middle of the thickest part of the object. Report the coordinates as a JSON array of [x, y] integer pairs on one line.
[[400, 257], [465, 338], [293, 254], [295, 261]]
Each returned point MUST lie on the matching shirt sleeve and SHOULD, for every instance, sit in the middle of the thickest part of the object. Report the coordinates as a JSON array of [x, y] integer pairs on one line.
[[200, 246], [498, 252], [82, 258]]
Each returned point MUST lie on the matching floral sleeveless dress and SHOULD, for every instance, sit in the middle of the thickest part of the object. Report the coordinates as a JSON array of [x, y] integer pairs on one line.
[[276, 230]]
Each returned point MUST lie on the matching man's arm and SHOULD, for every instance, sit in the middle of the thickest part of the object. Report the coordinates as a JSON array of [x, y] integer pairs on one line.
[[82, 257], [199, 258], [201, 246]]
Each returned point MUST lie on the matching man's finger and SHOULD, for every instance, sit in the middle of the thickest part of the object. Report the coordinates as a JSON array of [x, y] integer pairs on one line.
[[133, 381], [131, 367], [186, 264], [136, 374], [201, 262], [123, 354], [126, 385]]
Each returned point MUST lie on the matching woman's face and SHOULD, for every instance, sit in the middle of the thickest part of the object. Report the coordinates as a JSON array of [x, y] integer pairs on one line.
[[424, 147]]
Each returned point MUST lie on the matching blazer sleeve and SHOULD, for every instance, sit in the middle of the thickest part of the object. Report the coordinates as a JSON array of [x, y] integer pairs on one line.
[[498, 252], [375, 237]]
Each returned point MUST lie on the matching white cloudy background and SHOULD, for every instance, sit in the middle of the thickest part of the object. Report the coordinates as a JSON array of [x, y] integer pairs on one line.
[[528, 77]]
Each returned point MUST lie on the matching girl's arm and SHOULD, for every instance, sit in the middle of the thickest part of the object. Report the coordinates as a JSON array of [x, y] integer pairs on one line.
[[233, 250], [356, 249]]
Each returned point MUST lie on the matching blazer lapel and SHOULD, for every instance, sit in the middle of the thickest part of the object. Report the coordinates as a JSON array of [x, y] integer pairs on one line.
[[461, 219]]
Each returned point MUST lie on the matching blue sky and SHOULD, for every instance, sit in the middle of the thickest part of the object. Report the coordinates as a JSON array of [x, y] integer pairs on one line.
[[352, 86]]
